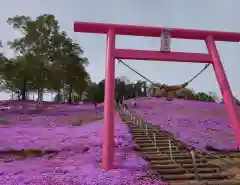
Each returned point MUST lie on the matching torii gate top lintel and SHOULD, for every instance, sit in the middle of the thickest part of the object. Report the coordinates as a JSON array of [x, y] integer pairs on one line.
[[150, 31]]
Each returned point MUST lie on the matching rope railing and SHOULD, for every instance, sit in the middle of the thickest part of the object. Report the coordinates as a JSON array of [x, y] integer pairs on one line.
[[193, 155], [170, 149], [189, 81]]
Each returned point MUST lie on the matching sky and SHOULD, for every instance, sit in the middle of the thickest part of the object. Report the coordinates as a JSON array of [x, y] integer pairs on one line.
[[193, 14]]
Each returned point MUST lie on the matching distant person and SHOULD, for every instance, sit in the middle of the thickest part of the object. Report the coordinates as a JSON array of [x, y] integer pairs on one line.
[[117, 101], [95, 104], [134, 102], [121, 101], [118, 98]]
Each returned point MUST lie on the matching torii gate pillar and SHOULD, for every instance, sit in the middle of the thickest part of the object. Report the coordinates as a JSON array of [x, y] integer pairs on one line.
[[108, 149]]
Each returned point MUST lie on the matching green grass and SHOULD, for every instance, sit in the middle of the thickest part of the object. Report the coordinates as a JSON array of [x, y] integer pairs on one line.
[[86, 120], [26, 153], [3, 122]]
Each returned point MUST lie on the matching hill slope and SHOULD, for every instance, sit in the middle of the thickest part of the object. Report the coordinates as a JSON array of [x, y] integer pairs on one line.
[[196, 123]]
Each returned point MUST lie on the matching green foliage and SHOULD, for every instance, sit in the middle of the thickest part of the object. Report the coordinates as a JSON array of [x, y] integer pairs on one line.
[[27, 153], [95, 92], [201, 96], [58, 98], [47, 60], [3, 122], [237, 102]]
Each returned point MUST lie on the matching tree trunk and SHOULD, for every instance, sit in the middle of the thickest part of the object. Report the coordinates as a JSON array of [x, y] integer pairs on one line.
[[24, 89], [40, 95], [40, 85], [59, 96], [70, 94], [80, 94], [18, 95], [40, 99], [40, 91], [145, 89]]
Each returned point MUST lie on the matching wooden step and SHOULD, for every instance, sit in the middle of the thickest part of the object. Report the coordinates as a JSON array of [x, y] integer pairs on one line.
[[139, 129], [141, 135], [157, 137], [163, 137], [128, 122], [212, 182], [204, 170], [167, 145], [150, 132], [133, 132], [157, 157], [150, 152], [198, 165], [189, 176], [162, 157], [177, 157], [215, 176], [157, 142], [146, 139], [149, 149], [213, 157], [145, 145], [178, 177], [189, 161], [160, 153], [176, 152], [166, 166], [160, 148], [137, 132], [170, 171], [161, 162]]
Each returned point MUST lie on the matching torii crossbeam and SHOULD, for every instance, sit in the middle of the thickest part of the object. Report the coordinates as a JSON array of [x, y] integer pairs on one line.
[[211, 57]]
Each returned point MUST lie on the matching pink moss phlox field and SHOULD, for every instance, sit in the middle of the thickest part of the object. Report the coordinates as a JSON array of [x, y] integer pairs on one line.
[[196, 123], [78, 161], [24, 113]]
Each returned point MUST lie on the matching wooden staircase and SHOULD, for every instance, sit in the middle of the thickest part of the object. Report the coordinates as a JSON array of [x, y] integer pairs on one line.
[[171, 160]]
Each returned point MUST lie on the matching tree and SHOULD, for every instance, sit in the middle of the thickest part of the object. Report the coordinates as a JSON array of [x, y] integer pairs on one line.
[[214, 95], [96, 92], [138, 88], [17, 74], [2, 67], [237, 102], [124, 79], [92, 92], [201, 96], [35, 41], [49, 59], [120, 88], [68, 61]]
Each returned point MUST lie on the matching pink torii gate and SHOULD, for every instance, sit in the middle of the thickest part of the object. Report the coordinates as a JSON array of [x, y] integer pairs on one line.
[[212, 57]]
